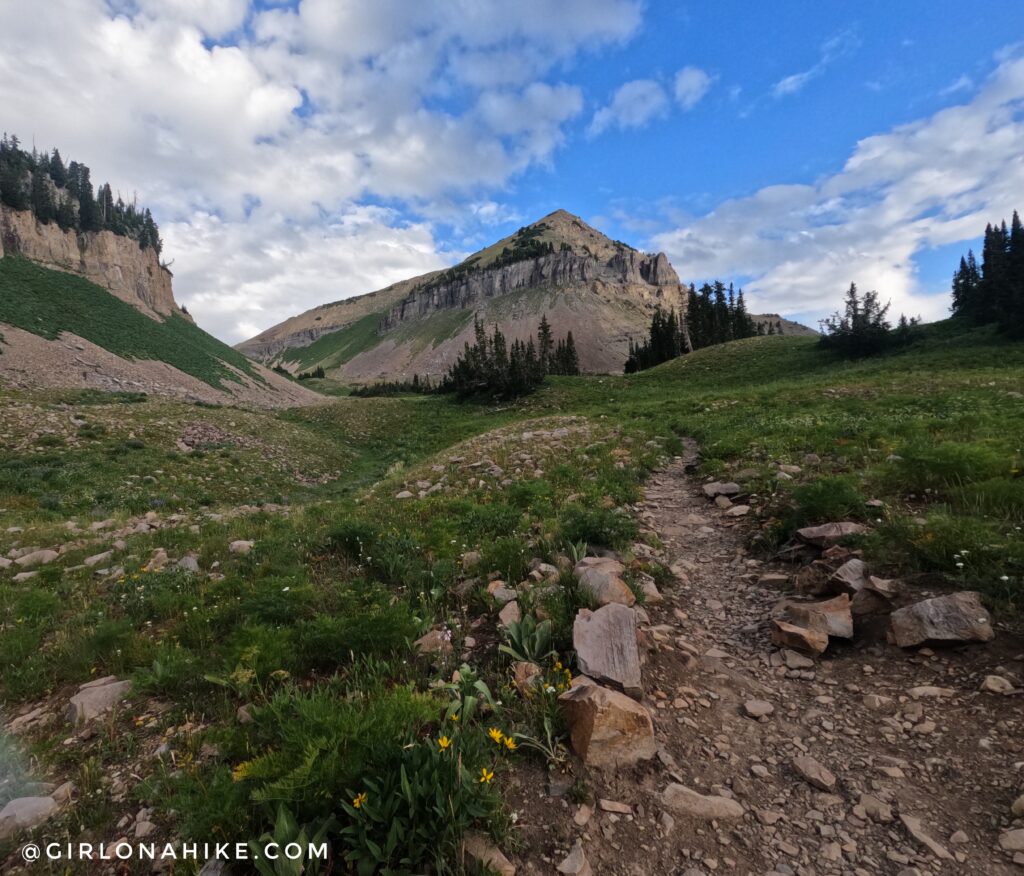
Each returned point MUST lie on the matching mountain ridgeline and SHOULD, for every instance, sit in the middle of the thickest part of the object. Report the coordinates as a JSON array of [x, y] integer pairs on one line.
[[604, 291], [85, 302], [63, 194]]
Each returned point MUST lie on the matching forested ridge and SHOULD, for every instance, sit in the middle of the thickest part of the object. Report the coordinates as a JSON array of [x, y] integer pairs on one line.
[[62, 193]]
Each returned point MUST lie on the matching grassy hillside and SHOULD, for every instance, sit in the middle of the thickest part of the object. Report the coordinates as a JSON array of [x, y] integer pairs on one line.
[[311, 630], [336, 348], [46, 303]]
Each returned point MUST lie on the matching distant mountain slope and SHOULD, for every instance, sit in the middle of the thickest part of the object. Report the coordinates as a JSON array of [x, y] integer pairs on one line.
[[60, 329], [604, 291]]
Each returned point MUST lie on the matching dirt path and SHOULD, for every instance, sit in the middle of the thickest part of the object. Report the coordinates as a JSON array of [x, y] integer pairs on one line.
[[952, 761]]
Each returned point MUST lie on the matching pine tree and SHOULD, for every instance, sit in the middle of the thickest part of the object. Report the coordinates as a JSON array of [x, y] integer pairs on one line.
[[42, 196], [544, 342]]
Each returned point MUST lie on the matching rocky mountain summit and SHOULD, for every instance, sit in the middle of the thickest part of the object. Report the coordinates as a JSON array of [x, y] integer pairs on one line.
[[604, 291]]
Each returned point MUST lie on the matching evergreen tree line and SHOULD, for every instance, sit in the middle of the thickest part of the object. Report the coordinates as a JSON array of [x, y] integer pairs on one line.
[[994, 292], [316, 374], [490, 368], [714, 314], [63, 193], [416, 386], [863, 328]]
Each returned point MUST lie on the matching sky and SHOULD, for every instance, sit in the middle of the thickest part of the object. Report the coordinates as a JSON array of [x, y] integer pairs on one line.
[[297, 152]]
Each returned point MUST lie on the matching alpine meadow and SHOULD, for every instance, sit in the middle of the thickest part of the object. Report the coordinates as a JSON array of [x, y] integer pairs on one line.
[[462, 438]]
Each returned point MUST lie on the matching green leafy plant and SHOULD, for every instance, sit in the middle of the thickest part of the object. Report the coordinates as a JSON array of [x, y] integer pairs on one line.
[[412, 814], [294, 843], [528, 641]]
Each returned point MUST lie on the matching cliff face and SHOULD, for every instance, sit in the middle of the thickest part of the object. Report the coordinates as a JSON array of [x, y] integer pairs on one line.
[[651, 277], [116, 263]]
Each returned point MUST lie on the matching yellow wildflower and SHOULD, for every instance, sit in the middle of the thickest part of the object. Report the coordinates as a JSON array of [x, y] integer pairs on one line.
[[486, 775], [241, 771], [496, 735], [444, 743], [455, 717], [359, 800], [510, 743]]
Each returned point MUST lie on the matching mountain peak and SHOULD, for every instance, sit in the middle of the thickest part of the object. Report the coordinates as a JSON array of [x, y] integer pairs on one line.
[[559, 229]]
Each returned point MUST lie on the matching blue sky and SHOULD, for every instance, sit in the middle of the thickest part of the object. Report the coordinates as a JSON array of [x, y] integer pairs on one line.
[[302, 152]]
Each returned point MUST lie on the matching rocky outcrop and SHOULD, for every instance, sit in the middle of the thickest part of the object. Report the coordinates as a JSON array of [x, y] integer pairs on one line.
[[653, 276], [116, 263]]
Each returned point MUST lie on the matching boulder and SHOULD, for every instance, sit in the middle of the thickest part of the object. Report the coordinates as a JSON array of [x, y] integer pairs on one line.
[[36, 558], [525, 675], [434, 642], [829, 533], [850, 577], [606, 648], [188, 563], [487, 856], [25, 813], [96, 559], [576, 863], [606, 728], [814, 773], [716, 488], [1012, 840], [917, 831], [787, 635], [832, 617], [997, 684], [241, 546], [958, 617], [602, 578], [95, 698], [686, 801], [511, 612]]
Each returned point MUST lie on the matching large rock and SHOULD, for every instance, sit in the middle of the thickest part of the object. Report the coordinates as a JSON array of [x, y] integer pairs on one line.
[[717, 488], [601, 577], [434, 642], [25, 813], [831, 617], [958, 617], [488, 857], [606, 648], [576, 863], [686, 801], [829, 533], [607, 728], [787, 635], [97, 697], [814, 773], [37, 558]]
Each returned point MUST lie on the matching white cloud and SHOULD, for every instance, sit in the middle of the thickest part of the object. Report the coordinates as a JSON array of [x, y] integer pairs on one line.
[[691, 85], [209, 107], [964, 83], [242, 278], [632, 106], [927, 184], [831, 51]]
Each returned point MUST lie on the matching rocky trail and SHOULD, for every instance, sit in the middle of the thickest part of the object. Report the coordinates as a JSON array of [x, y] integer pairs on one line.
[[866, 759]]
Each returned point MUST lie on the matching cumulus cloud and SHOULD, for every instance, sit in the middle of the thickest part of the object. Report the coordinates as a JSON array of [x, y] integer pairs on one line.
[[831, 51], [244, 277], [927, 184], [632, 106], [280, 122], [691, 85]]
